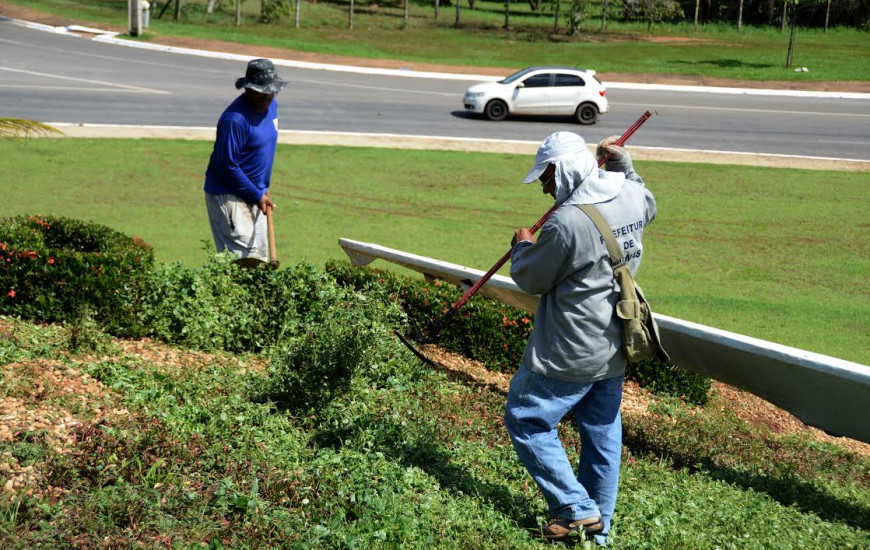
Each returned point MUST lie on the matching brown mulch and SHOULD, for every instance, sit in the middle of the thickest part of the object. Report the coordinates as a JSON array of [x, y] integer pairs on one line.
[[635, 400], [27, 14]]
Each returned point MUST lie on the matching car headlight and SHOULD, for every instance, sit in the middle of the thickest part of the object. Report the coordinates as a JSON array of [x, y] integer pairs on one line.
[[474, 95]]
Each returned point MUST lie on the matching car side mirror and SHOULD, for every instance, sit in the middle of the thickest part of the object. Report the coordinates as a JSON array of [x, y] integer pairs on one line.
[[521, 85]]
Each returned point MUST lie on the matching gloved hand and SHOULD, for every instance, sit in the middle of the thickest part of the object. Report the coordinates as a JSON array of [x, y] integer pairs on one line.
[[619, 160]]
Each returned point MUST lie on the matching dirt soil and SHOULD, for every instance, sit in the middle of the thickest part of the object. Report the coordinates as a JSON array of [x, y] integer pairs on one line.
[[26, 14], [635, 400]]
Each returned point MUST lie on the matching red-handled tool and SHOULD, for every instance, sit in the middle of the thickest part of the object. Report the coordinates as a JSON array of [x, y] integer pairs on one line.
[[482, 281]]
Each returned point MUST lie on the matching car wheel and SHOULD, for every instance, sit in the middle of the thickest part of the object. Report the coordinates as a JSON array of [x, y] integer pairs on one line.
[[587, 113], [496, 110]]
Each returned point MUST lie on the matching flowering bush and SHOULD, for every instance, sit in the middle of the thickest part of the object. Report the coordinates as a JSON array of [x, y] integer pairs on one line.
[[53, 268]]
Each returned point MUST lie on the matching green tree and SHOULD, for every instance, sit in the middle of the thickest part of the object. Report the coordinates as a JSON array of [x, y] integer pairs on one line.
[[575, 17]]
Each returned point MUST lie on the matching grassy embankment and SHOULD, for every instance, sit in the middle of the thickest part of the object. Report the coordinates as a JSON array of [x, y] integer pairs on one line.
[[176, 449], [770, 253], [841, 54]]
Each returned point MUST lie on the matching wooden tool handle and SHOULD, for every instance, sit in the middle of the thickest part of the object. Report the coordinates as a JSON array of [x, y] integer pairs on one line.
[[273, 252]]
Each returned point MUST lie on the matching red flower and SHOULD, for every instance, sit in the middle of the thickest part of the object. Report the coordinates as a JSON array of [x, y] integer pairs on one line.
[[51, 260], [11, 294]]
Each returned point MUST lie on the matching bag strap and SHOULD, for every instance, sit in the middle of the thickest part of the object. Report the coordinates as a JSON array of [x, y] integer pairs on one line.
[[616, 257]]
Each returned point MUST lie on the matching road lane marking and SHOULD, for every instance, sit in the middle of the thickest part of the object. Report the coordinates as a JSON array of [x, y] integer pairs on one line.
[[88, 81], [735, 109], [161, 64], [71, 89]]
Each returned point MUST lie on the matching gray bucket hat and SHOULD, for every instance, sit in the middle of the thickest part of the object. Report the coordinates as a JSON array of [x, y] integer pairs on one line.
[[262, 77]]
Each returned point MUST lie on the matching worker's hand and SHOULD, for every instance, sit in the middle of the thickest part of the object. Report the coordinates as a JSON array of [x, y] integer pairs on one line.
[[606, 147], [265, 202], [522, 234], [619, 160]]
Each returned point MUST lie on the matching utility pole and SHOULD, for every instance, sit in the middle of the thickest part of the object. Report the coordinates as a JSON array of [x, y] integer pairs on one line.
[[791, 41], [134, 10]]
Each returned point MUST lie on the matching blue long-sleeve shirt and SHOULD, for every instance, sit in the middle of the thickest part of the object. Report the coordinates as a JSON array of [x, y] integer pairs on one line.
[[244, 149]]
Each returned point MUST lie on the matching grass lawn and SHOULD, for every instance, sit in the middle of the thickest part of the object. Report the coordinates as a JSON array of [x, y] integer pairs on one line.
[[775, 254], [379, 31]]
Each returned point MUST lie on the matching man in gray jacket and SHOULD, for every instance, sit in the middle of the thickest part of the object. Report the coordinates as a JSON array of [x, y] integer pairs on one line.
[[573, 360]]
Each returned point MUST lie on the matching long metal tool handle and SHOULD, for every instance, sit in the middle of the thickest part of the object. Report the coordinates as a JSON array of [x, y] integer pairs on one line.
[[482, 281]]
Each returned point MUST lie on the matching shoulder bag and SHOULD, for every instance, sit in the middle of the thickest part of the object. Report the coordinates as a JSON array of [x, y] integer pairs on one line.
[[640, 332]]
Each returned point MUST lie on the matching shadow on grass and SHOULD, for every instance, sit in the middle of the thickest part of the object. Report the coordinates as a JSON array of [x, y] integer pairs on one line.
[[785, 487], [424, 452], [724, 64]]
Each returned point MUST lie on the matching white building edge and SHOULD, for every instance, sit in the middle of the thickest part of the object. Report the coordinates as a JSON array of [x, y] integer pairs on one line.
[[822, 391]]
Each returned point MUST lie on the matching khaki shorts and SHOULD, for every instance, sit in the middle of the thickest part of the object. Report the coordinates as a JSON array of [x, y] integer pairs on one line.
[[237, 226]]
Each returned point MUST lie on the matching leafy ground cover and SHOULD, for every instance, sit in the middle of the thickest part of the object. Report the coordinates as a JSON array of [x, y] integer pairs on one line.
[[764, 252], [134, 443], [380, 32]]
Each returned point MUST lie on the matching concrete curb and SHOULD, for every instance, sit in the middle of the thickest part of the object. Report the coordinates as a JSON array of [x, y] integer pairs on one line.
[[401, 141]]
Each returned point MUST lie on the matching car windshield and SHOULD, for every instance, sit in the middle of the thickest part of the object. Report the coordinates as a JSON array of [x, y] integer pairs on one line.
[[516, 76]]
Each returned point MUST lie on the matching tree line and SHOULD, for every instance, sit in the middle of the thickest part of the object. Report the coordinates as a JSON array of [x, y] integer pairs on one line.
[[820, 14]]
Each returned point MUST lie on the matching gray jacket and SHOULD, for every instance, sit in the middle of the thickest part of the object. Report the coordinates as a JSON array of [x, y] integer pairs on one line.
[[577, 336]]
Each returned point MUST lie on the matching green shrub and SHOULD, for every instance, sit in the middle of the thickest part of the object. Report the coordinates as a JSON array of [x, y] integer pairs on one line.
[[223, 306], [309, 370], [52, 268], [483, 329], [491, 332], [665, 379], [84, 334]]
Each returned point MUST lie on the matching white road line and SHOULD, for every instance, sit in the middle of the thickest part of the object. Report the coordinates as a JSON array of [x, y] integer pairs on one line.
[[111, 84], [74, 89], [734, 109], [161, 64], [737, 91]]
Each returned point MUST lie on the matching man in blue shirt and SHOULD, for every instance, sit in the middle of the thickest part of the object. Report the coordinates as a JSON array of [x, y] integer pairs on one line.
[[240, 169]]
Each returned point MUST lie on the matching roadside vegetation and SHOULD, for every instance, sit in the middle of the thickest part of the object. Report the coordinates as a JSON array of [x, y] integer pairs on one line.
[[666, 41], [764, 252], [332, 435]]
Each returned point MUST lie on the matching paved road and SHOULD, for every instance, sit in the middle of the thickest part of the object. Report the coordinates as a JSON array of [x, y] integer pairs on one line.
[[60, 78]]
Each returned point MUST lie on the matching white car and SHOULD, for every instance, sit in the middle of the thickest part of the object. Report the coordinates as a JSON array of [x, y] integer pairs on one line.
[[540, 91]]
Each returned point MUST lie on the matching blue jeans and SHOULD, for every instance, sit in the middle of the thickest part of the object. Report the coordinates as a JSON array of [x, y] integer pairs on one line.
[[535, 405]]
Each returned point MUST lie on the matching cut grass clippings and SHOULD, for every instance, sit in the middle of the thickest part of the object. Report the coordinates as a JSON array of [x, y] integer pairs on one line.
[[770, 253]]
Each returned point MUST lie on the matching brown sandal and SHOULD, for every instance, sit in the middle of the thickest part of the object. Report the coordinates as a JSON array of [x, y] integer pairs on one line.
[[561, 528]]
